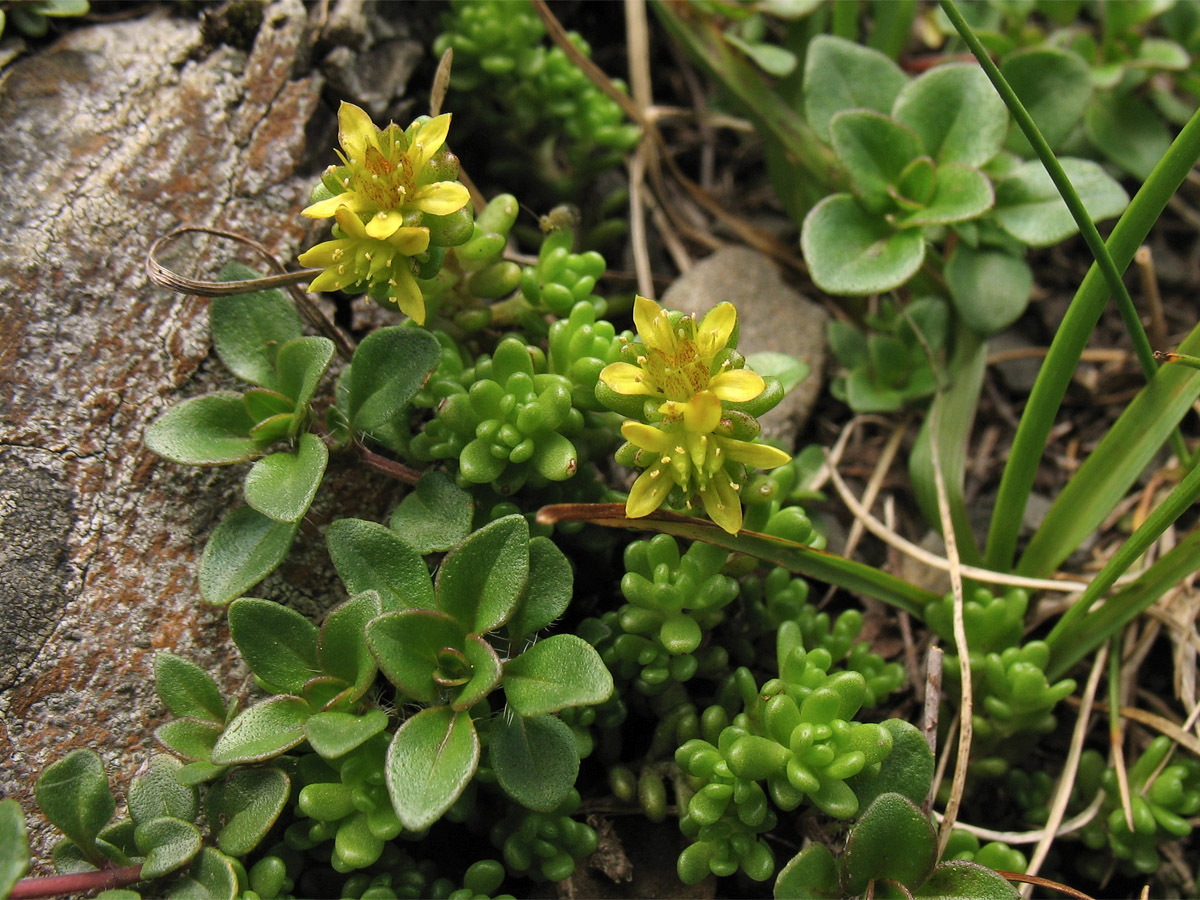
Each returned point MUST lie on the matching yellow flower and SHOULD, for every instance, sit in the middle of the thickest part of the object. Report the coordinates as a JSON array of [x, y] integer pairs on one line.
[[358, 259], [691, 447], [386, 173]]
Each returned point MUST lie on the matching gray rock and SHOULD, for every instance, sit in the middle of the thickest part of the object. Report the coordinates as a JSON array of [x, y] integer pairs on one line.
[[771, 315]]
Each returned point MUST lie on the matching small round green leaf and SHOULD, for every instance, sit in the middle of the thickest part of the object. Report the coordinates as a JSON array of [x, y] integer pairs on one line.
[[263, 731], [485, 673], [388, 369], [962, 880], [907, 770], [892, 839], [211, 877], [168, 844], [248, 329], [186, 689], [334, 734], [278, 643], [193, 739], [810, 875], [212, 430], [840, 74], [406, 646], [242, 551], [548, 591], [14, 860], [1029, 207], [770, 58], [282, 486], [430, 761], [342, 644], [435, 516], [301, 363], [157, 793], [850, 251], [73, 794], [1127, 132], [1054, 87], [875, 150], [961, 193], [559, 671], [245, 804], [535, 758], [370, 557], [481, 581], [956, 112], [990, 288]]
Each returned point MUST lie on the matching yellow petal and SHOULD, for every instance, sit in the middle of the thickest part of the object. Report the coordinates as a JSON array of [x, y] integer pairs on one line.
[[652, 324], [350, 223], [384, 224], [715, 329], [325, 254], [722, 504], [761, 456], [625, 378], [406, 294], [356, 131], [428, 141], [737, 385], [702, 413], [410, 240], [646, 436], [323, 209], [329, 280], [439, 199], [649, 492]]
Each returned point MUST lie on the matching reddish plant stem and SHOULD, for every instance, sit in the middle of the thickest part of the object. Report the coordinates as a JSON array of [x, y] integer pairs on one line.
[[77, 883], [396, 470]]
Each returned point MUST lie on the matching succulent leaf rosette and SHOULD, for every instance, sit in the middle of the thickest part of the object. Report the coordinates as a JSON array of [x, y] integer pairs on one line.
[[389, 181], [687, 373]]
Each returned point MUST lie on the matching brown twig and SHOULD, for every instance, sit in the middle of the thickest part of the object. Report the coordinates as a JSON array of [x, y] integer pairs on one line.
[[76, 883]]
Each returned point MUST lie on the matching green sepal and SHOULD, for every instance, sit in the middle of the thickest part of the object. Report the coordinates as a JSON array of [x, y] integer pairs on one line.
[[435, 516], [245, 805], [342, 647], [248, 329], [559, 671], [482, 580], [243, 550], [369, 556], [891, 839], [334, 734], [167, 844], [429, 763], [535, 760], [277, 643], [282, 486], [73, 794], [213, 430], [157, 793], [389, 367], [262, 731], [14, 861], [211, 877], [186, 690]]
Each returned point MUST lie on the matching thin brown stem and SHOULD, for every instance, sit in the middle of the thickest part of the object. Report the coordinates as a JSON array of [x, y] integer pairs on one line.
[[76, 883]]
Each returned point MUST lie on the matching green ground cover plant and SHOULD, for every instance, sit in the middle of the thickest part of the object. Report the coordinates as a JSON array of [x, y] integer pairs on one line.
[[460, 722]]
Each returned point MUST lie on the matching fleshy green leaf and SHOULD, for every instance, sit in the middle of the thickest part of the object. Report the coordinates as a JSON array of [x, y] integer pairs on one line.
[[481, 581], [990, 288], [342, 645], [1053, 86], [263, 731], [157, 793], [301, 364], [14, 860], [242, 551], [278, 644], [907, 770], [370, 557], [193, 739], [961, 193], [388, 369], [406, 646], [810, 875], [536, 760], [956, 112], [547, 593], [840, 75], [850, 251], [73, 794], [249, 329], [168, 844], [434, 517], [554, 456], [875, 150], [334, 734], [186, 689], [430, 761], [211, 877], [282, 485], [559, 671], [245, 804], [963, 880], [891, 839], [212, 430], [1029, 207]]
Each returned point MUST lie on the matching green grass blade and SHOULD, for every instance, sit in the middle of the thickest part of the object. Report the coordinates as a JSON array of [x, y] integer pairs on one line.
[[1111, 469], [828, 567], [1063, 356], [1070, 644]]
